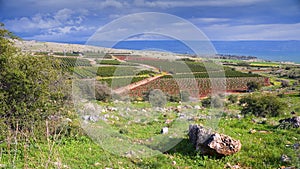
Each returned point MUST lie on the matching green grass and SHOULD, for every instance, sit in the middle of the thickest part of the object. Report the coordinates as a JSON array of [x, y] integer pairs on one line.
[[121, 81], [108, 62], [111, 71], [259, 150]]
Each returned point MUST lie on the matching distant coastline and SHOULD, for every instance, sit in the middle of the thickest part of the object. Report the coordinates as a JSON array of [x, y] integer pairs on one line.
[[280, 51]]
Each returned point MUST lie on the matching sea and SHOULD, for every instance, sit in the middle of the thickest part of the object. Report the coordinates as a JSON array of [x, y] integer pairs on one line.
[[283, 51]]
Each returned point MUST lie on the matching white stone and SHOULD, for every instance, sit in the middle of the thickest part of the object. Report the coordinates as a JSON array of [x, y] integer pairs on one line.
[[164, 130]]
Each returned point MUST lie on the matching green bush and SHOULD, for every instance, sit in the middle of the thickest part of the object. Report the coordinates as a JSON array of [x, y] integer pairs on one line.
[[214, 102], [156, 97], [262, 105], [253, 86], [173, 98], [185, 96], [232, 98], [285, 83], [102, 92], [31, 87]]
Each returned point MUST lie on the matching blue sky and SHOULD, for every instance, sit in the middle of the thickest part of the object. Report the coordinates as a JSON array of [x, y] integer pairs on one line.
[[77, 20]]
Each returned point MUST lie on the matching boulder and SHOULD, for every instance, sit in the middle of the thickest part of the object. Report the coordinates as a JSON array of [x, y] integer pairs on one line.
[[164, 130], [290, 122], [210, 143], [285, 159]]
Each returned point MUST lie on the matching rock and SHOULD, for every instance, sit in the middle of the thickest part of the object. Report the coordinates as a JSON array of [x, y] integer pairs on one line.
[[68, 120], [173, 162], [284, 158], [188, 107], [231, 167], [284, 167], [177, 110], [197, 107], [213, 144], [86, 118], [239, 116], [290, 122], [168, 121], [296, 146], [164, 130], [94, 118]]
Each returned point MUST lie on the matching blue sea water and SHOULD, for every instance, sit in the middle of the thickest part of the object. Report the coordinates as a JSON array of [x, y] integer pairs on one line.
[[267, 50]]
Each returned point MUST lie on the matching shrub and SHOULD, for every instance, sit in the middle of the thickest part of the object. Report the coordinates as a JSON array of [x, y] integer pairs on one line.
[[243, 64], [185, 96], [252, 86], [262, 105], [172, 98], [157, 98], [285, 83], [215, 102], [232, 98], [32, 88], [102, 92]]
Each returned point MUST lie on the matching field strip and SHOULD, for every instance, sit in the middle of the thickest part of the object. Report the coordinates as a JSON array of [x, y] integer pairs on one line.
[[134, 85]]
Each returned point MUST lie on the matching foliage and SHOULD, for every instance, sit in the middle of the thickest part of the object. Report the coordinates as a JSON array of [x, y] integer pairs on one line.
[[31, 89], [243, 64], [173, 98], [6, 42], [253, 86], [232, 98], [215, 102], [285, 83], [185, 96], [156, 97], [102, 92], [262, 105]]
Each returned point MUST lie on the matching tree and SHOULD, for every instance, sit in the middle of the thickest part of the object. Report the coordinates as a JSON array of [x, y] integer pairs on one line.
[[253, 86], [262, 105], [31, 88], [6, 42]]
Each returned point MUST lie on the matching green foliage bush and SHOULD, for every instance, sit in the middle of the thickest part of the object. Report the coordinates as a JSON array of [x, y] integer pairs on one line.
[[214, 102], [185, 96], [285, 83], [156, 97], [31, 89], [172, 98], [102, 92], [253, 86], [262, 105], [232, 98]]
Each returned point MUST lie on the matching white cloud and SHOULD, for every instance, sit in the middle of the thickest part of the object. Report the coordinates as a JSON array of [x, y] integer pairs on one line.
[[112, 3], [172, 4], [63, 24], [63, 14], [42, 22], [148, 37], [253, 32], [208, 20]]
